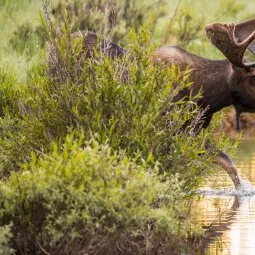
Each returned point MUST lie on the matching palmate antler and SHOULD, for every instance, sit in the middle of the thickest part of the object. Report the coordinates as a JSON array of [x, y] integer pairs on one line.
[[243, 30], [232, 40]]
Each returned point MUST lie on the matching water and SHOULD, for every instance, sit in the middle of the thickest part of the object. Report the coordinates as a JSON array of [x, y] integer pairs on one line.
[[228, 215]]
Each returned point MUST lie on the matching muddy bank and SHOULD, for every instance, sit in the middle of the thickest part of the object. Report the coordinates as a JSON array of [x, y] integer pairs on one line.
[[247, 125]]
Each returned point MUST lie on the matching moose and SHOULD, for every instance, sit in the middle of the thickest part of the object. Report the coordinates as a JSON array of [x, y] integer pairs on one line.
[[223, 82]]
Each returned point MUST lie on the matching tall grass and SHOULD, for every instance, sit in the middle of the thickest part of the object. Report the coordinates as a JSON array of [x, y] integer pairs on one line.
[[19, 21]]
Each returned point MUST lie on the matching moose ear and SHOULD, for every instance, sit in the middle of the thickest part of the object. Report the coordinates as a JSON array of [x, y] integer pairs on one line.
[[244, 30]]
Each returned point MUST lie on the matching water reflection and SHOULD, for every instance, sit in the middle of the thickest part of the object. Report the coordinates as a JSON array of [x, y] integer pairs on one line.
[[230, 220]]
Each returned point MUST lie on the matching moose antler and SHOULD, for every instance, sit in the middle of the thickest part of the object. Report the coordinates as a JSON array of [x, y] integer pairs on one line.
[[224, 37], [243, 30]]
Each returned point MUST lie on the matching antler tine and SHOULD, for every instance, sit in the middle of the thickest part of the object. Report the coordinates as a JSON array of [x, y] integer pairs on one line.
[[243, 30], [223, 37], [248, 40]]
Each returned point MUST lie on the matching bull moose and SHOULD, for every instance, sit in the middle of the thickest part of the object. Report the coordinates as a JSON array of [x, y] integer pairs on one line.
[[223, 82]]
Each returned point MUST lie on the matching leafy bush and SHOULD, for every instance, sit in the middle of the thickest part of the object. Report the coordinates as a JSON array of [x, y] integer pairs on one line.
[[90, 199], [11, 137], [5, 236], [8, 91], [128, 116], [90, 94]]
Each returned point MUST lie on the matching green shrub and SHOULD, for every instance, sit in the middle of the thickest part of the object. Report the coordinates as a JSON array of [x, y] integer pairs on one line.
[[89, 199], [5, 236], [11, 106], [91, 95], [9, 93], [127, 115]]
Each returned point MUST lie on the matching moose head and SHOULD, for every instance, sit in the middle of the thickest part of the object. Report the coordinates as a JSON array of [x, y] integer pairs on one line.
[[233, 40]]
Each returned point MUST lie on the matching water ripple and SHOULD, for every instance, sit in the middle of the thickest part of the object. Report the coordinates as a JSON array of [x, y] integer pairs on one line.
[[245, 189]]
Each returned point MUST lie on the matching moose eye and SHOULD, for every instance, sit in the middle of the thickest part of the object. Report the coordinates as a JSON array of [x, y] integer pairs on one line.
[[252, 80]]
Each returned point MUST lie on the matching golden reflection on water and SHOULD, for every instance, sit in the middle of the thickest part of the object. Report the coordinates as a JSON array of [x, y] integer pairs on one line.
[[230, 220]]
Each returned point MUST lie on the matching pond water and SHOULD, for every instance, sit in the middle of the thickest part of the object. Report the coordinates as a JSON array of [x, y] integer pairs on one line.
[[229, 215]]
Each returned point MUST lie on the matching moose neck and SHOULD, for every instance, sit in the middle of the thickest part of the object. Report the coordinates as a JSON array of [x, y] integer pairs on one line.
[[214, 83]]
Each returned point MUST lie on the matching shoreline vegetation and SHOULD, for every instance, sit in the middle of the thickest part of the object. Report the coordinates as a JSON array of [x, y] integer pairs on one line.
[[88, 162]]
